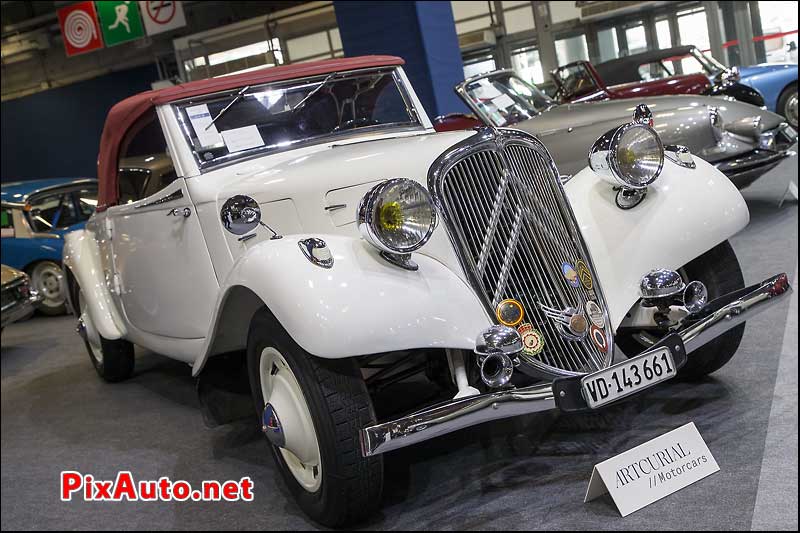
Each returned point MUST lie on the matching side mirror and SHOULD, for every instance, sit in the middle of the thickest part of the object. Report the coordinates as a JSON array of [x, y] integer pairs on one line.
[[240, 214]]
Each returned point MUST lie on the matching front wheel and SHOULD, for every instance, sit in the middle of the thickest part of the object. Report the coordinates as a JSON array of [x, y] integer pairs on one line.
[[47, 278], [311, 411], [719, 270], [787, 104]]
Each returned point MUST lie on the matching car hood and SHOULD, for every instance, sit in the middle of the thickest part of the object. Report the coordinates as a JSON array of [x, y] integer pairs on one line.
[[754, 70], [569, 130], [9, 274]]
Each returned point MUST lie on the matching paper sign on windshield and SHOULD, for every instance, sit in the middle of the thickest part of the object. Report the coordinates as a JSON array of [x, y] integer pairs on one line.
[[239, 139], [200, 118]]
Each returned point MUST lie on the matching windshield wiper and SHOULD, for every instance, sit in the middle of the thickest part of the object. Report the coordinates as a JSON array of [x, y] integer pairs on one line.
[[316, 89], [225, 109]]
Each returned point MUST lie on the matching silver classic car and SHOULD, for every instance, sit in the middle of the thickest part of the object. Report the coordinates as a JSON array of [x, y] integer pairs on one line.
[[741, 140]]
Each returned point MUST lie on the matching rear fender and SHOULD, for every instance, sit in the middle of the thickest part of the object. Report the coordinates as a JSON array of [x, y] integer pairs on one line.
[[686, 212], [362, 305], [82, 258]]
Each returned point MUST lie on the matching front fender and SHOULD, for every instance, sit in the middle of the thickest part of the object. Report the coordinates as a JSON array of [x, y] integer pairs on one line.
[[82, 257], [362, 305], [686, 213]]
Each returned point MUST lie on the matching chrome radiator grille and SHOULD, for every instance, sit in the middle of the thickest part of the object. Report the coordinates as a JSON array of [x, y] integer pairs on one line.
[[512, 227]]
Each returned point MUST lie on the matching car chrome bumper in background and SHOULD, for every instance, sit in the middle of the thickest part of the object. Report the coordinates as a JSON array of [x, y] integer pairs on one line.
[[774, 146], [19, 308], [714, 319], [745, 169]]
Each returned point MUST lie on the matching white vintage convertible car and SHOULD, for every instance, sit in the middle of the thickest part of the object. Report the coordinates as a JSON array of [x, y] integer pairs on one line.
[[307, 223]]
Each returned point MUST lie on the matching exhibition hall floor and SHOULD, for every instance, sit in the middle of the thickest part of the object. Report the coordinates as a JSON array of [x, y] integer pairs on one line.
[[525, 473]]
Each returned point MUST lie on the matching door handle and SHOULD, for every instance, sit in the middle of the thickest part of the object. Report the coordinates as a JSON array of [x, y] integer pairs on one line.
[[178, 212]]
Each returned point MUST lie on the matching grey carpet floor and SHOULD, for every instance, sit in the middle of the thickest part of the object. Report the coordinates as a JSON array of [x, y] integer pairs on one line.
[[525, 473]]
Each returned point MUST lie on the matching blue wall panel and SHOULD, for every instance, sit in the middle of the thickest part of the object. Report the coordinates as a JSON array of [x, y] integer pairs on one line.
[[56, 132], [422, 33]]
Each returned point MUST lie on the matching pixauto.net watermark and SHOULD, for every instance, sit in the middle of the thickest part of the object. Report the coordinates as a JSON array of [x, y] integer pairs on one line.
[[125, 487]]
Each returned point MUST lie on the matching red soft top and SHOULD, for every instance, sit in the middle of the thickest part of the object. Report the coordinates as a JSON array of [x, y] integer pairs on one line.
[[125, 113]]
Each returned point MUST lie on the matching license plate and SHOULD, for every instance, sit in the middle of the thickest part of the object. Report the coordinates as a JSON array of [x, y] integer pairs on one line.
[[628, 377]]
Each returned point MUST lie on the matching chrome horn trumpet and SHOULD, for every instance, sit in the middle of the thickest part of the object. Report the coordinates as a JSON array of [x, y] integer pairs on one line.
[[663, 287], [497, 348]]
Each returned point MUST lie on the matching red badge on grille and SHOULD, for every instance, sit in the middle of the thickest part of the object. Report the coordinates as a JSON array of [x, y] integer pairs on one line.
[[599, 338]]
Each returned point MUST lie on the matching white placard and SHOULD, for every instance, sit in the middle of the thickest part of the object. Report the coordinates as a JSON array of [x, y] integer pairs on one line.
[[653, 470], [239, 139], [200, 118], [162, 15], [503, 101]]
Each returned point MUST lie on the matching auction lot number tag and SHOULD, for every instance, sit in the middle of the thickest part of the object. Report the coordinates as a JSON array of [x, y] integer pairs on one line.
[[653, 470]]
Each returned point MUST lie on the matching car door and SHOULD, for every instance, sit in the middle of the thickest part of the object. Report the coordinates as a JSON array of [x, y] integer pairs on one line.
[[162, 272]]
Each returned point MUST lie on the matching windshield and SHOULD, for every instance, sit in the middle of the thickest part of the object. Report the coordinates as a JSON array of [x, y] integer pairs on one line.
[[711, 65], [276, 116], [503, 99], [575, 80], [694, 61]]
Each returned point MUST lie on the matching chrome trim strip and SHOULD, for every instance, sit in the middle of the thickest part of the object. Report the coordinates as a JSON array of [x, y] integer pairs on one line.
[[177, 195]]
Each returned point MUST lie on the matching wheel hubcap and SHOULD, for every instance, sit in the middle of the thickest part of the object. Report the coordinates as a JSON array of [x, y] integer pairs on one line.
[[791, 110], [293, 433], [271, 426], [48, 280]]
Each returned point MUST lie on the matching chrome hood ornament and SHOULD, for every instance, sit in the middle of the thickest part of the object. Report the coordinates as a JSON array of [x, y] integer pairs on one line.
[[571, 322]]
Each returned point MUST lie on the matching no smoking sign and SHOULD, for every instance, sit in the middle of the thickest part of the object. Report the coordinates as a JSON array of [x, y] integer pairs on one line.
[[162, 15]]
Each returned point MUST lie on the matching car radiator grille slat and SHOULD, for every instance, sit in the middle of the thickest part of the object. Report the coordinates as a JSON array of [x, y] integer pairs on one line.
[[508, 217]]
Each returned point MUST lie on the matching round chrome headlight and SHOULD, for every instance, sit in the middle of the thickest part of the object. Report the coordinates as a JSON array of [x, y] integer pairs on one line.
[[636, 155], [397, 216]]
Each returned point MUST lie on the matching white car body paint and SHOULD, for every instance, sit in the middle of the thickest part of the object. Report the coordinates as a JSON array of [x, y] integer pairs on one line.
[[363, 304], [686, 213]]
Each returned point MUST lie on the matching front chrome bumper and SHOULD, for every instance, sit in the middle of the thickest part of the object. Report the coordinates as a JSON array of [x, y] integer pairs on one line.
[[774, 146], [745, 169], [716, 318]]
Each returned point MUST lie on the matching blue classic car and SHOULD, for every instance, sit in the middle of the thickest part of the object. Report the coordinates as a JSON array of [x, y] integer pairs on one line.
[[777, 82], [34, 216]]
